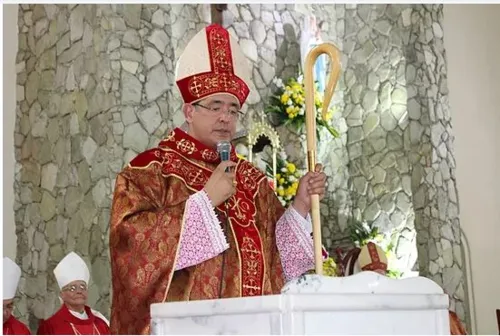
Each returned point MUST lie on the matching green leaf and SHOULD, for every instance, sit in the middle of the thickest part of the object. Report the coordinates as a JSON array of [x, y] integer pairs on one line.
[[395, 274], [330, 129]]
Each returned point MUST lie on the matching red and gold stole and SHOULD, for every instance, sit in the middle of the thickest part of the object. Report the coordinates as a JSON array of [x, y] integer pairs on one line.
[[180, 153]]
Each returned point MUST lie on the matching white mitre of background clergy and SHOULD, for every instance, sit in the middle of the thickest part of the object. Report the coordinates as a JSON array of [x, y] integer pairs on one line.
[[11, 276], [71, 268], [213, 63]]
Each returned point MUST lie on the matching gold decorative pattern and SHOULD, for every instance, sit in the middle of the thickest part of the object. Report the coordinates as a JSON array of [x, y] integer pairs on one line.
[[252, 267], [262, 129], [186, 146], [170, 136], [208, 155]]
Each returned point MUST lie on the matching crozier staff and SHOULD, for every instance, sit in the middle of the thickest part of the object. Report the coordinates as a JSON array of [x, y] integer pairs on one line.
[[333, 52]]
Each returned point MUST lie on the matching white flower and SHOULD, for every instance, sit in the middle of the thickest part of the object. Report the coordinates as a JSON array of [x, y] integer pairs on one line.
[[261, 164], [300, 79], [289, 102], [278, 82], [301, 111], [241, 149], [291, 178], [366, 227], [284, 170]]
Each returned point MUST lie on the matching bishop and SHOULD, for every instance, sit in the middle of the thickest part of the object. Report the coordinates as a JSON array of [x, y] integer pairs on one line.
[[11, 276], [74, 317]]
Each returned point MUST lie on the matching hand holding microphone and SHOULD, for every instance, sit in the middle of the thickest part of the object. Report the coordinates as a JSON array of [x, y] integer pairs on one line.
[[222, 184], [224, 150]]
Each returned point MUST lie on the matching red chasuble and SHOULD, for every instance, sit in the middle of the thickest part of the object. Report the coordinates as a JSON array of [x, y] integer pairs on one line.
[[146, 224], [15, 327], [65, 323]]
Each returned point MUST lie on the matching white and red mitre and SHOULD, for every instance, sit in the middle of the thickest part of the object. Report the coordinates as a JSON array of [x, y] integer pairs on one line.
[[11, 276], [373, 258], [71, 268], [212, 63]]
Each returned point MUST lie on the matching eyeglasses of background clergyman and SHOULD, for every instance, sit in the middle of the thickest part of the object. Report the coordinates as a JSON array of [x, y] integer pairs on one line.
[[73, 288]]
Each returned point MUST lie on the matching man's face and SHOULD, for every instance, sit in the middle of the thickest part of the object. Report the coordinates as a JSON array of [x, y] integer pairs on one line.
[[213, 119], [8, 306], [75, 293]]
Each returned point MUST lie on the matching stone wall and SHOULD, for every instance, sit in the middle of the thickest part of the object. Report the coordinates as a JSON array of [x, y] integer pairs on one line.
[[376, 111], [431, 156], [96, 87]]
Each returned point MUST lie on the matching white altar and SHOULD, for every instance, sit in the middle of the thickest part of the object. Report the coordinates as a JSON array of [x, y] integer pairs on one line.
[[365, 303]]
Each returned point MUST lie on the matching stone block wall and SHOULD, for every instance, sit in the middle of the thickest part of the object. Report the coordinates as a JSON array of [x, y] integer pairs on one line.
[[376, 111], [431, 156], [96, 86]]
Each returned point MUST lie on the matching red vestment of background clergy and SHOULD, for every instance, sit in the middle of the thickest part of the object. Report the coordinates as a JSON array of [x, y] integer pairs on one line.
[[65, 323], [147, 220], [15, 327]]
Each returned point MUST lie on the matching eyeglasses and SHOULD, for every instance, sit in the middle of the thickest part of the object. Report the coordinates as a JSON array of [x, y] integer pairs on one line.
[[73, 288], [232, 111]]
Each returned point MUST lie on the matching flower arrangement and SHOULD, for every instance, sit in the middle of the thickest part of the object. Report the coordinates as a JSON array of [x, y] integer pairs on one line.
[[361, 234], [287, 178], [330, 267], [288, 106]]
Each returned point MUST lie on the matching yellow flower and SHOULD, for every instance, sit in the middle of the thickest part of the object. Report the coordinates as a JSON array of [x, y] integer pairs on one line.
[[284, 98], [278, 176], [291, 191], [330, 267], [299, 99], [317, 100], [329, 115], [281, 181], [281, 191], [291, 167], [292, 111], [295, 185]]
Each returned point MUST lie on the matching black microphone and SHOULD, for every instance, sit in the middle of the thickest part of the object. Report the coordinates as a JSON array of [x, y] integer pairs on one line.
[[224, 149]]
